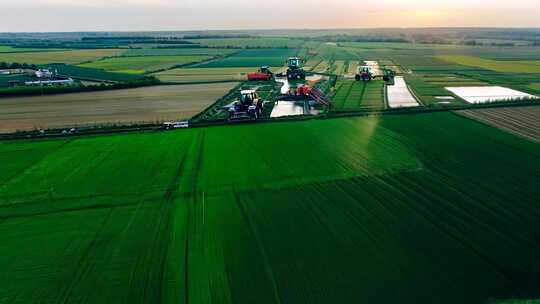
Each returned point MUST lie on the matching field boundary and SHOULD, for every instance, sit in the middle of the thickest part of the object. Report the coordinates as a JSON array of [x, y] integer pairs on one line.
[[142, 127]]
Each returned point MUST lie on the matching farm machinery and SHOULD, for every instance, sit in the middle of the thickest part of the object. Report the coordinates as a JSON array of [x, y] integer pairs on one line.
[[307, 93], [263, 74], [294, 69], [365, 73], [248, 107]]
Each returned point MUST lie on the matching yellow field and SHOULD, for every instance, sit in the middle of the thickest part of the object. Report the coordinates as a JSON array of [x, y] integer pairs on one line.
[[353, 67], [340, 67], [322, 67], [69, 57], [522, 66], [206, 74]]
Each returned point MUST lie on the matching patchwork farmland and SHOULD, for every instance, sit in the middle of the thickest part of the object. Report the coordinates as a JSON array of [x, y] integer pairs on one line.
[[306, 166], [143, 64]]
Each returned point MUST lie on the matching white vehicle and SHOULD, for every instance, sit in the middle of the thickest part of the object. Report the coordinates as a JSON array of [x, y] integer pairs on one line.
[[175, 125]]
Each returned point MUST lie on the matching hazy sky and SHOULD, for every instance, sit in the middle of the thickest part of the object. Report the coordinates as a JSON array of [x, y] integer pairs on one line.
[[104, 15]]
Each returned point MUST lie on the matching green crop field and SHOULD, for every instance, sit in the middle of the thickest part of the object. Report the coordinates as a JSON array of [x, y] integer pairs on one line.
[[68, 57], [523, 66], [535, 86], [428, 208], [358, 95], [91, 73], [253, 58], [9, 49], [178, 52], [5, 79], [139, 65], [251, 42], [188, 75]]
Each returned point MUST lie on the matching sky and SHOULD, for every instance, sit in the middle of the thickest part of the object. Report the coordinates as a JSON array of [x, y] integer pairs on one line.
[[139, 15]]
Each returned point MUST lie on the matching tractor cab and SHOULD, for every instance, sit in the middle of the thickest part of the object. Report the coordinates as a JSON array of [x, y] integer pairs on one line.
[[389, 76], [294, 62], [249, 106], [364, 74], [248, 97], [294, 69], [265, 70]]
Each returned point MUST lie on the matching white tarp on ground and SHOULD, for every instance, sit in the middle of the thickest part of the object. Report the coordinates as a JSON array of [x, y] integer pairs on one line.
[[287, 108], [488, 94], [286, 87], [399, 95]]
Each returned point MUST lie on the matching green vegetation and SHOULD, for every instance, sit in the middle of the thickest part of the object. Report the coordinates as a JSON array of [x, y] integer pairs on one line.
[[267, 42], [253, 58], [145, 64], [358, 95], [267, 90], [178, 52], [9, 49], [92, 73], [322, 211], [190, 75], [430, 87], [535, 86], [68, 57], [76, 88], [524, 66], [5, 79]]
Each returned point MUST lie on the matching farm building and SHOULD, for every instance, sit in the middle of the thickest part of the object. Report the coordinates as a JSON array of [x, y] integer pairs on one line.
[[44, 73]]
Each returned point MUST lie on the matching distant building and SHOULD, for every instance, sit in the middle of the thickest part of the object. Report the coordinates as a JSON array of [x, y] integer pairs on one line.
[[44, 73]]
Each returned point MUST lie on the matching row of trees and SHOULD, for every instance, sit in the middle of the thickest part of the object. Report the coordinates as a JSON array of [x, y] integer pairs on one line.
[[15, 65]]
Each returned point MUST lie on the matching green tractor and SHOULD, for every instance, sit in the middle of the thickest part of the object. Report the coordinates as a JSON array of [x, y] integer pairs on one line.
[[295, 70], [388, 76]]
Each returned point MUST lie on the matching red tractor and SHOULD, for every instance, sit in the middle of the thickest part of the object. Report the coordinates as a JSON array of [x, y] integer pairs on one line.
[[364, 74], [263, 74]]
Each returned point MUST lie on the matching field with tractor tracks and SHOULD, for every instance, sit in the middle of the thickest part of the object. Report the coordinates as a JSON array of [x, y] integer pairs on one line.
[[382, 209], [128, 106], [522, 121], [358, 95]]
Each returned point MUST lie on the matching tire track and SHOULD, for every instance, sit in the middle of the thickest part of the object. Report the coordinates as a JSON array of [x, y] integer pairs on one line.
[[259, 247]]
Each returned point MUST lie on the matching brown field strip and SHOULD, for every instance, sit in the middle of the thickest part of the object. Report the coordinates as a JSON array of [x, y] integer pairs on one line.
[[522, 121], [149, 104]]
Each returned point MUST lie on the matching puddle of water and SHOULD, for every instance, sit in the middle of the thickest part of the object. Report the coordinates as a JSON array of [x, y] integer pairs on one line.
[[287, 108], [399, 95], [488, 94]]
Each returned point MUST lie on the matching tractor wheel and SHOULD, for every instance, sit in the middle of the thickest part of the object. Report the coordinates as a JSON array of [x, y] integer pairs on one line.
[[357, 77]]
